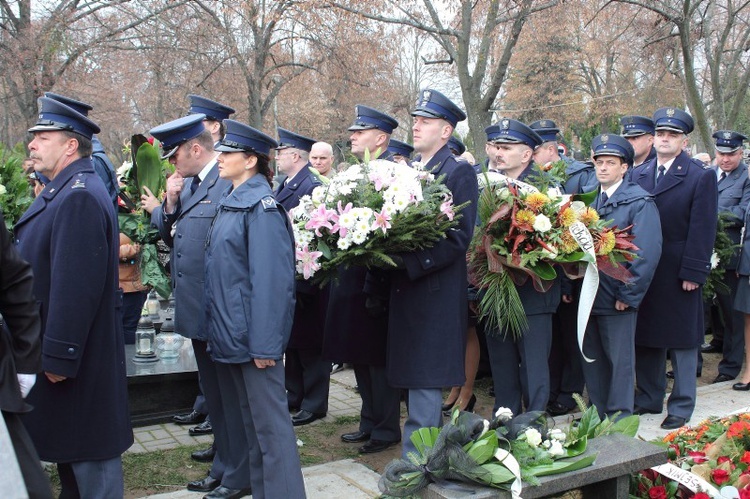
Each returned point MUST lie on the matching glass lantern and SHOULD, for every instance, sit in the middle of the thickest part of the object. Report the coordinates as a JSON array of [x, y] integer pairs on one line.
[[152, 305], [168, 342], [144, 341]]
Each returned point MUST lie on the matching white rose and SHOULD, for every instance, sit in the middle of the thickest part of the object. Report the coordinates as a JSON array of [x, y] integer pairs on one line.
[[533, 437], [578, 206], [714, 257], [542, 224], [3, 190], [555, 448], [504, 414]]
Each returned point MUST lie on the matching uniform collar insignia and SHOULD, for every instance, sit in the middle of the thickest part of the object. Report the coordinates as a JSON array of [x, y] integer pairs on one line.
[[78, 184]]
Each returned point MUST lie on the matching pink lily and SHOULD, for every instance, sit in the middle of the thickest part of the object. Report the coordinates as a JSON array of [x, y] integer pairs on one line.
[[382, 221], [447, 208], [335, 218], [307, 261], [319, 218]]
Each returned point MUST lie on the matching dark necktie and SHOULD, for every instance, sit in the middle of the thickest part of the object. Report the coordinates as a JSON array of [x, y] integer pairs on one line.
[[602, 200], [195, 184], [660, 176], [722, 176]]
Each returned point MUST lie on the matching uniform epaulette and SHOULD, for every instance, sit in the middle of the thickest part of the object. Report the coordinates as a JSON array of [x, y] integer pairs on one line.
[[269, 203]]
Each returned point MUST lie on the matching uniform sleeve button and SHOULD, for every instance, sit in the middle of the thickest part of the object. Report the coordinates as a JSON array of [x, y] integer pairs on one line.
[[428, 261], [71, 350], [179, 274]]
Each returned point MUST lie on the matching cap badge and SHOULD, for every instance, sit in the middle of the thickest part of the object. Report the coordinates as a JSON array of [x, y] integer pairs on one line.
[[670, 112], [727, 135], [605, 138], [505, 123], [544, 124], [426, 96]]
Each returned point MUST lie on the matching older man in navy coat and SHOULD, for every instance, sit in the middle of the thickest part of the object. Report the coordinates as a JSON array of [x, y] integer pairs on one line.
[[734, 197], [307, 375], [610, 335], [190, 204], [428, 301], [69, 235], [671, 315]]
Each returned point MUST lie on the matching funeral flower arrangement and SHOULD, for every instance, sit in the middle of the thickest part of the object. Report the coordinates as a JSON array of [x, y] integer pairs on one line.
[[714, 457], [366, 214], [524, 233], [501, 453]]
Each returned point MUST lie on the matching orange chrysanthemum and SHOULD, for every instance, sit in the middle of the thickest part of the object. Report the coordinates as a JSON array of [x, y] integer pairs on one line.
[[525, 217], [589, 216], [536, 201], [568, 243], [567, 217], [604, 242]]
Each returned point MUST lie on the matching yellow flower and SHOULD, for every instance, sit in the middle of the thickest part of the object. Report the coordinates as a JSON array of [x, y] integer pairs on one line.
[[589, 216], [567, 217], [536, 201], [525, 217], [568, 243], [605, 243]]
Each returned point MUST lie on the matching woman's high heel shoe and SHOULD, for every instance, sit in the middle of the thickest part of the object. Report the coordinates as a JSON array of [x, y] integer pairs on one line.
[[469, 407], [741, 387], [448, 406]]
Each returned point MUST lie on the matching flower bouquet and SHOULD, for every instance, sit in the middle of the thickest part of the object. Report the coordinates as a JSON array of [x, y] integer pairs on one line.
[[500, 454], [711, 459], [367, 213], [524, 233], [145, 170]]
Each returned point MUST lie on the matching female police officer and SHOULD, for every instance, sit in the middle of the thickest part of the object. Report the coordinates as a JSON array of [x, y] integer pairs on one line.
[[250, 305]]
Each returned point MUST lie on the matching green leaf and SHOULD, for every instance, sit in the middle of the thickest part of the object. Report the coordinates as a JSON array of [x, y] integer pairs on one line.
[[497, 474], [627, 426], [563, 466], [483, 450], [323, 248], [424, 438], [586, 197], [149, 173], [544, 270]]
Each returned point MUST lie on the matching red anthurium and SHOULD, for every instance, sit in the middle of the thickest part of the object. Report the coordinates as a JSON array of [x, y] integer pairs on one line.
[[744, 494]]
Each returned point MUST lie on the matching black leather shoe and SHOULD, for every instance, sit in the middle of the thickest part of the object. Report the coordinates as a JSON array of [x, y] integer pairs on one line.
[[698, 374], [194, 417], [741, 387], [374, 446], [673, 422], [206, 485], [642, 410], [202, 429], [227, 493], [722, 378], [557, 409], [711, 348], [305, 417], [355, 437], [204, 455]]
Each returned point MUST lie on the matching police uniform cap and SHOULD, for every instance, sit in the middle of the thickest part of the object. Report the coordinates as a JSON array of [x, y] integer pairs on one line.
[[634, 126], [433, 104], [213, 110], [728, 141], [546, 129], [510, 131], [613, 145], [400, 148], [55, 116], [456, 145], [368, 118], [295, 140], [176, 132], [672, 119], [244, 138], [79, 106]]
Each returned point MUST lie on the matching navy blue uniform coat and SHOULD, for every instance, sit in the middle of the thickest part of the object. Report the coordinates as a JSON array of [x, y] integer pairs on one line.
[[687, 200], [70, 237], [581, 177], [249, 276], [190, 223], [734, 198], [630, 204], [428, 303]]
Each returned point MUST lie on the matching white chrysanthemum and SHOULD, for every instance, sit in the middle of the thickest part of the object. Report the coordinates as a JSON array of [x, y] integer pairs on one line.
[[3, 190], [556, 434], [542, 224], [555, 449], [362, 213], [344, 243], [359, 236], [347, 219], [504, 414], [303, 237], [714, 257], [318, 195], [362, 227], [533, 437], [346, 189]]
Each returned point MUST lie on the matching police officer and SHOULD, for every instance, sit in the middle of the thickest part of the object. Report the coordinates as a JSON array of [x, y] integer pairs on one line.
[[69, 235], [428, 299], [357, 321], [215, 113], [581, 176], [400, 151], [671, 314], [610, 335], [250, 304], [190, 202], [102, 164], [639, 131], [734, 197], [308, 376], [456, 146], [519, 367]]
